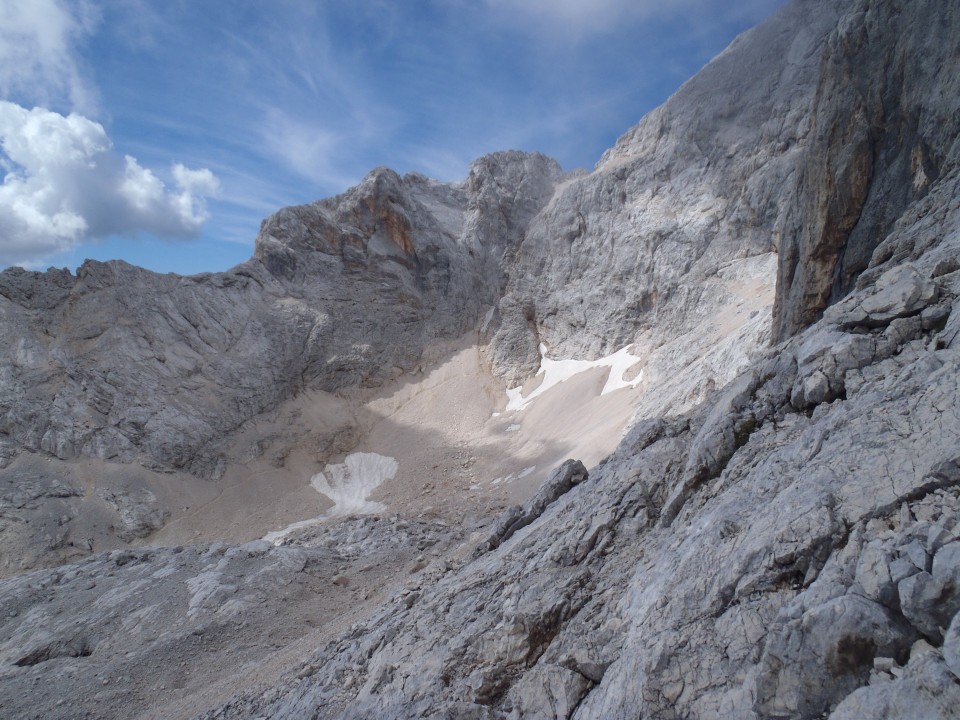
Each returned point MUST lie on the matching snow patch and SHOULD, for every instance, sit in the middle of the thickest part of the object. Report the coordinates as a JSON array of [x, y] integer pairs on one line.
[[556, 371], [526, 471], [513, 428], [348, 484], [275, 536]]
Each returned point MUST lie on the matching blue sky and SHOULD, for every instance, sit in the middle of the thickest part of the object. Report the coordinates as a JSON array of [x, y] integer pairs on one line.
[[163, 131]]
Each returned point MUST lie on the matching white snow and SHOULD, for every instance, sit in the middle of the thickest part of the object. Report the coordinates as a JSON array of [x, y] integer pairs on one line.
[[351, 482], [555, 372], [511, 477], [513, 428], [486, 320], [348, 484], [275, 536]]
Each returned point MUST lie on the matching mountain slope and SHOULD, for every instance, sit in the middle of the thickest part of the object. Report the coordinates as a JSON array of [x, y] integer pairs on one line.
[[778, 533], [772, 551]]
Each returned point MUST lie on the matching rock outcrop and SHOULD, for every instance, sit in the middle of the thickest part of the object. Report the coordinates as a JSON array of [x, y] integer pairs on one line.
[[886, 120], [146, 631], [781, 541], [764, 556]]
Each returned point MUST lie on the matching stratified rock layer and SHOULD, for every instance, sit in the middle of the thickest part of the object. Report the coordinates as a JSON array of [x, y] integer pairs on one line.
[[788, 547]]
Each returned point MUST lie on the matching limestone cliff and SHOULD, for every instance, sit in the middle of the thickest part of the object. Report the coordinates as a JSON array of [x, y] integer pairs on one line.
[[781, 541]]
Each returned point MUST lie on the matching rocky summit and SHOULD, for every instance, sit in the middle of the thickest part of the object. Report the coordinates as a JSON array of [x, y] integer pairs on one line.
[[675, 438]]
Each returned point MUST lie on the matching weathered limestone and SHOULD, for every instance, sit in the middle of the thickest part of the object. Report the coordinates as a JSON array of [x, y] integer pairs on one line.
[[787, 545]]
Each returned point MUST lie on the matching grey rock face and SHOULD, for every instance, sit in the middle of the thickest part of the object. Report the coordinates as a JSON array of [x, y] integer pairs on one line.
[[624, 252], [132, 632], [886, 131], [924, 689], [775, 590], [787, 548], [561, 481], [139, 513], [35, 511], [123, 364]]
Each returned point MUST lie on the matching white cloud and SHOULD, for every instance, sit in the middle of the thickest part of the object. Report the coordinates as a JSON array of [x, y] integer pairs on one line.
[[38, 58], [64, 185], [566, 20], [310, 149]]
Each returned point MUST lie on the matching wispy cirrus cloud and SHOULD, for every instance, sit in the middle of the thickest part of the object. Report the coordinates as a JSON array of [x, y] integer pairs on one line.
[[312, 150], [39, 63], [564, 20], [288, 101], [570, 17]]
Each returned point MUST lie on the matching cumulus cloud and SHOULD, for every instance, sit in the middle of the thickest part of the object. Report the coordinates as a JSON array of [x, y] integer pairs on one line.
[[38, 52], [64, 184]]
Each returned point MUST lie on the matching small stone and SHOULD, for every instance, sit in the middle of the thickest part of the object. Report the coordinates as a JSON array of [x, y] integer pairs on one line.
[[917, 555], [951, 646], [906, 517], [929, 603], [816, 388], [671, 691], [883, 664], [921, 646], [901, 568], [873, 574], [937, 537], [946, 563]]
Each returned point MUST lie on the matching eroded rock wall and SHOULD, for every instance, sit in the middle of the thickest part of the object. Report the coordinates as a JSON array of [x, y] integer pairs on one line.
[[884, 130], [787, 548], [622, 254]]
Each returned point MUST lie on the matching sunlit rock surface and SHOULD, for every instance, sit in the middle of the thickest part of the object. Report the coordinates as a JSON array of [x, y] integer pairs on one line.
[[774, 535]]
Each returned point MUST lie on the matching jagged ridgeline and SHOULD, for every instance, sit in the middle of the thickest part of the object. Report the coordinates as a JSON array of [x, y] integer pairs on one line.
[[749, 302]]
